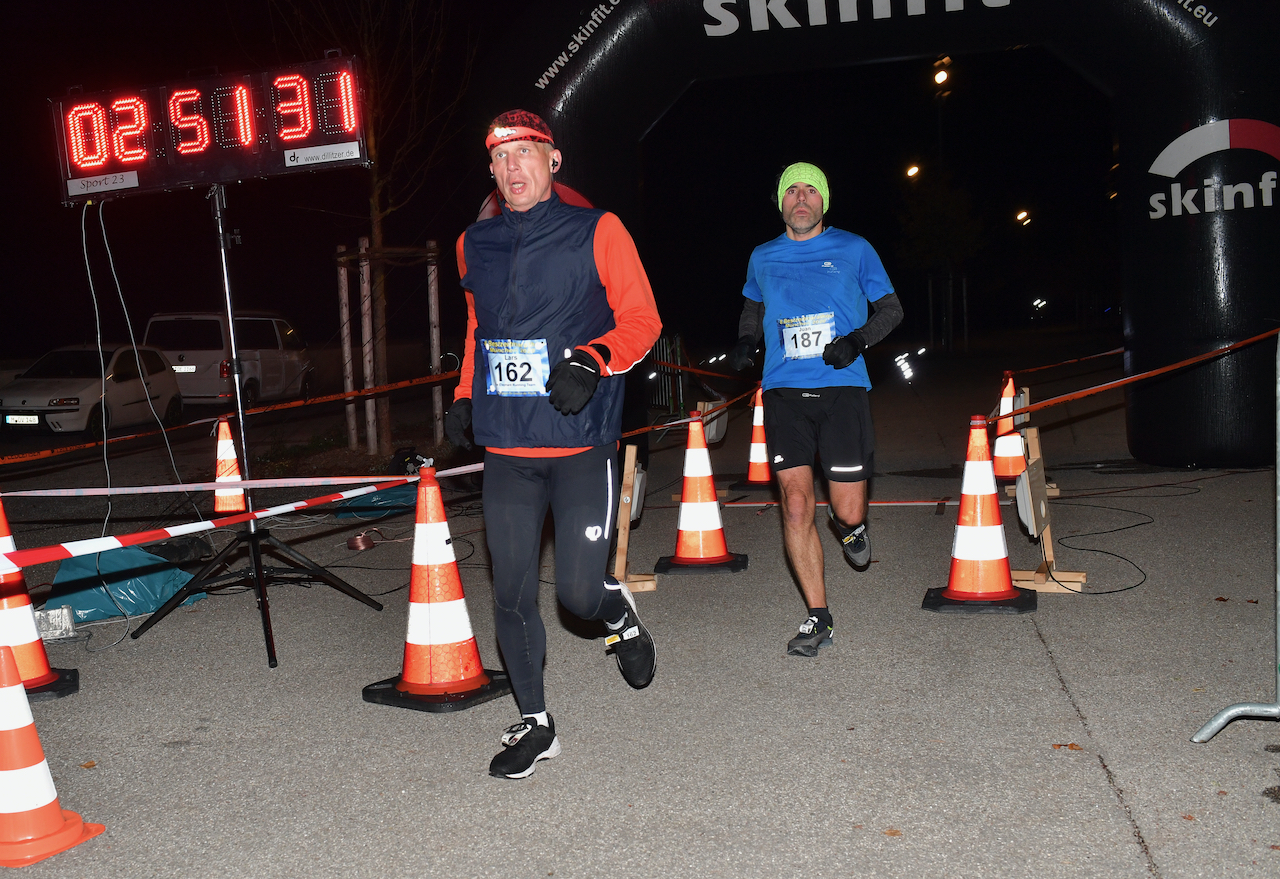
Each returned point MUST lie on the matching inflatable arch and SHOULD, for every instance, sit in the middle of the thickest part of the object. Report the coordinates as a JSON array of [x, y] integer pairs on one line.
[[1196, 123]]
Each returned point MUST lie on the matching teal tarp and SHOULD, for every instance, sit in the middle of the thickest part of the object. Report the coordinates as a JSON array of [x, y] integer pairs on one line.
[[139, 582]]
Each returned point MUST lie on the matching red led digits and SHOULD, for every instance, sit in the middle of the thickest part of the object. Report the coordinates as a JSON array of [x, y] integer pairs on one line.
[[336, 102], [299, 106], [183, 121], [232, 116], [128, 141], [87, 135]]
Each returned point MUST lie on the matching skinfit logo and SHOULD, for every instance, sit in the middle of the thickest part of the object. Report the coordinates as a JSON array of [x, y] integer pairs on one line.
[[1226, 134]]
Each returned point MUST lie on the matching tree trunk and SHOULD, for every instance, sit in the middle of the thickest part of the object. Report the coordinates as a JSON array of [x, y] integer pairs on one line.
[[377, 211]]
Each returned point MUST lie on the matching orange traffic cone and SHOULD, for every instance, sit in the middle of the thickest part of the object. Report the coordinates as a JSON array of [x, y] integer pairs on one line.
[[227, 500], [1009, 458], [758, 473], [18, 630], [33, 825], [980, 581], [700, 542], [442, 670]]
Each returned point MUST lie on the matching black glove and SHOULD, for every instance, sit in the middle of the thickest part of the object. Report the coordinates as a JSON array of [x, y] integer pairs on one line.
[[743, 354], [572, 382], [456, 422], [842, 351]]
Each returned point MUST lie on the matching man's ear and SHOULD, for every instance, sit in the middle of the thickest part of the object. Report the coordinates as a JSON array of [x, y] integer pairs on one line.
[[555, 160]]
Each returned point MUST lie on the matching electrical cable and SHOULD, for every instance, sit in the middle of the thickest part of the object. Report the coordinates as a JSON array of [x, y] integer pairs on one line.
[[1062, 541]]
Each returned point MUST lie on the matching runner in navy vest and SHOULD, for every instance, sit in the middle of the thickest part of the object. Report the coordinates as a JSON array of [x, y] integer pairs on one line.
[[808, 294], [558, 308]]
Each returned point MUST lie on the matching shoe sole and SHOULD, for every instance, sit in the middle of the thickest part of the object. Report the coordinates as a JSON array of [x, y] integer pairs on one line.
[[552, 751], [805, 650], [626, 593]]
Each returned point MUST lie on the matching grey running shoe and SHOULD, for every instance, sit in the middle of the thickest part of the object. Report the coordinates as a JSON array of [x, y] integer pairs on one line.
[[633, 647], [812, 635], [857, 546], [524, 744]]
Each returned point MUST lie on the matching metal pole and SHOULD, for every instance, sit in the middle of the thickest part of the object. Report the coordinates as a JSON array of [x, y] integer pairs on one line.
[[1260, 710], [348, 368], [433, 314], [366, 337], [931, 311], [218, 202]]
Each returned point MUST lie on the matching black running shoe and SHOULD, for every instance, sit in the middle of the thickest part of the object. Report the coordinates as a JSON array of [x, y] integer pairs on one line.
[[811, 636], [633, 647], [857, 546], [524, 744]]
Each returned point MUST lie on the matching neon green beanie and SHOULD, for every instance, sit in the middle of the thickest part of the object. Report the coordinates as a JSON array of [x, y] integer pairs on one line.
[[803, 172]]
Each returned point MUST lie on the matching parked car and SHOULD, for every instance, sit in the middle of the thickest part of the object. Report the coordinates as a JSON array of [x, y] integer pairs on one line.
[[62, 391], [273, 355]]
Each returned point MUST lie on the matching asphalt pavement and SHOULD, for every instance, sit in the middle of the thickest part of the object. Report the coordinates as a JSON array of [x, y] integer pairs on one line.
[[1049, 744]]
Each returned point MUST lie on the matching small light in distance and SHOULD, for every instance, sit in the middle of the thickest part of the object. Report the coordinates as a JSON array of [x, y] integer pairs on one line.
[[920, 352], [913, 170], [1038, 304], [1023, 217], [653, 375], [940, 77]]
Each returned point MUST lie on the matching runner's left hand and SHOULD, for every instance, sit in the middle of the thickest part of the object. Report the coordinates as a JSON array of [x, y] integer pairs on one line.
[[572, 382], [842, 351]]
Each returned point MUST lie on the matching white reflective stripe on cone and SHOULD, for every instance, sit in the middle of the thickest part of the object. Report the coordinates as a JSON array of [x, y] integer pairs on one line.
[[15, 710], [18, 625], [697, 462], [22, 790], [1009, 445], [703, 516], [758, 454], [438, 622], [979, 543], [431, 544], [979, 478], [226, 450], [757, 418], [7, 544]]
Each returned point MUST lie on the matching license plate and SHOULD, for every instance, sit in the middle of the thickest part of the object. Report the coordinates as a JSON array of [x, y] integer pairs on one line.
[[184, 369], [22, 419]]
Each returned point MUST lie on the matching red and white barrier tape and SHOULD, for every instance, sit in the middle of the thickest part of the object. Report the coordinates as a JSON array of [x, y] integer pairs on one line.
[[24, 557]]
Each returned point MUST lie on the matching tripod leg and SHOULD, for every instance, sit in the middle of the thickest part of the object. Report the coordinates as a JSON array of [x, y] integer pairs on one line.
[[193, 586], [298, 560], [255, 553]]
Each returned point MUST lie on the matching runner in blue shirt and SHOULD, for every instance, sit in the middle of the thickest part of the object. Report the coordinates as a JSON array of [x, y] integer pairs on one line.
[[817, 297]]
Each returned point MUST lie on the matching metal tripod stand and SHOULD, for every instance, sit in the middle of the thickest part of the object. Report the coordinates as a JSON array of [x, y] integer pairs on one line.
[[253, 536]]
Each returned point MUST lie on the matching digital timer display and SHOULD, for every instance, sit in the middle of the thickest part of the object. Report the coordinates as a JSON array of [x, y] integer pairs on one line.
[[214, 130]]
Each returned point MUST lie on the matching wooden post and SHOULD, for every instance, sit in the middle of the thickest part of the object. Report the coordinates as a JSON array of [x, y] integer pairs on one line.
[[348, 369], [1047, 577], [366, 336], [634, 582], [433, 313]]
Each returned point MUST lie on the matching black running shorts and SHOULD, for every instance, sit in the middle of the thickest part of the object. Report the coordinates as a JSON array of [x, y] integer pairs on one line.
[[832, 425]]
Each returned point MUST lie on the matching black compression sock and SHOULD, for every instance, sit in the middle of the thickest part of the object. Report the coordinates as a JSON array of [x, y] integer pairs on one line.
[[823, 615]]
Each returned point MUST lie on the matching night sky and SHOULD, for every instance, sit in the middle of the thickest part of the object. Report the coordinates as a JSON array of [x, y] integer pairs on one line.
[[1019, 131]]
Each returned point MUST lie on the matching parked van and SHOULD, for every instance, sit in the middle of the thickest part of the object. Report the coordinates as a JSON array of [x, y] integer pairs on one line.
[[273, 355]]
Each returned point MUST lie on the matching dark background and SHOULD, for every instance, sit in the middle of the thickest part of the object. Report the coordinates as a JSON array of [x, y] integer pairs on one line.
[[1020, 130]]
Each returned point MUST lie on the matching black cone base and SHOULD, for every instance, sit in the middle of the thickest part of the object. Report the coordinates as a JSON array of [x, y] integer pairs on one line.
[[68, 682], [1024, 603], [385, 693], [671, 565]]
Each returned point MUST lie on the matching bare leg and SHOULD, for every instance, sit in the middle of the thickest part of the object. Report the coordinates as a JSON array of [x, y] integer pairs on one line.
[[849, 502], [800, 535]]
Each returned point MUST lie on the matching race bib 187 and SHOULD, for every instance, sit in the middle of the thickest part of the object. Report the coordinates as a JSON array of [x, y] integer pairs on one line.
[[805, 336]]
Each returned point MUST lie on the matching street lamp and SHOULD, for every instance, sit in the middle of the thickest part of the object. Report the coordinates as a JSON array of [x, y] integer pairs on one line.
[[913, 170], [1023, 217]]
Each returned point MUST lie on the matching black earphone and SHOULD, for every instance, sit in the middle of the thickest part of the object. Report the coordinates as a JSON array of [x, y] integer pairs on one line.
[[555, 163]]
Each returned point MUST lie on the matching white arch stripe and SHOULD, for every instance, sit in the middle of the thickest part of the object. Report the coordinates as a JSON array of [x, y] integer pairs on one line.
[[697, 462], [1197, 142], [702, 516], [15, 710], [18, 626], [979, 478], [438, 622], [431, 544], [979, 543], [22, 790]]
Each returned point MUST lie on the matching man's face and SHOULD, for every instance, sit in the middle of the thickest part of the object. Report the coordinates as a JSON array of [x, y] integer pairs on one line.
[[522, 169], [802, 211]]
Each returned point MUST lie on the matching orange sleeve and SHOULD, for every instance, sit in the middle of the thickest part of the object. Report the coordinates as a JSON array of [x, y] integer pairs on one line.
[[468, 367], [635, 315]]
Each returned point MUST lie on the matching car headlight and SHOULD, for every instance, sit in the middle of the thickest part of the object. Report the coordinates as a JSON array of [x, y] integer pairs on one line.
[[65, 401]]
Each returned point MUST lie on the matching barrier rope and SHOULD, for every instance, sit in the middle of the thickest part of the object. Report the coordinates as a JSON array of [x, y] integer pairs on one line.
[[1128, 380], [669, 424], [72, 549], [275, 407], [1119, 350]]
